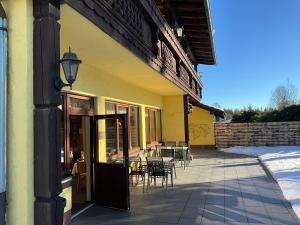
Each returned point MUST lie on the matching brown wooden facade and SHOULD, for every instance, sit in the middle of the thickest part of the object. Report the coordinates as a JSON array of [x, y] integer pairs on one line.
[[143, 29]]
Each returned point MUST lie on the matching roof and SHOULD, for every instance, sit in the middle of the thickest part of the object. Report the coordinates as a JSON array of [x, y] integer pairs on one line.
[[194, 16], [216, 111]]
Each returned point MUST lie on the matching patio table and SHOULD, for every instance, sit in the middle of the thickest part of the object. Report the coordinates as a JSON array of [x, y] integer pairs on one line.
[[166, 160], [184, 149]]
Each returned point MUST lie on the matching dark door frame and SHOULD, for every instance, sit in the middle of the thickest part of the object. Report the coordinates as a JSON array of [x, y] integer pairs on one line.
[[100, 200], [70, 111]]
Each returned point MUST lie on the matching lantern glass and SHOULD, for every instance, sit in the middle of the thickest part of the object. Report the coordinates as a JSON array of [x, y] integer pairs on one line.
[[70, 70], [179, 31], [70, 64]]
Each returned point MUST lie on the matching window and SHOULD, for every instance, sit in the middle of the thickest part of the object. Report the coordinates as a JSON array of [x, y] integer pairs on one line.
[[147, 126], [153, 125], [134, 126], [114, 133]]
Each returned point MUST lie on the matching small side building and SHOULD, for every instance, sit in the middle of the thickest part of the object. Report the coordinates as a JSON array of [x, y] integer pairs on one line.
[[201, 126]]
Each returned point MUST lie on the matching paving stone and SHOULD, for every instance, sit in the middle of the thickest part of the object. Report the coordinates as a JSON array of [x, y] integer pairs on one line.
[[184, 221], [283, 218], [229, 189]]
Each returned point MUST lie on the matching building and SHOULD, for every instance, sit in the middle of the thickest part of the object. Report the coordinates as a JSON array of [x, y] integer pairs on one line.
[[201, 126], [135, 87]]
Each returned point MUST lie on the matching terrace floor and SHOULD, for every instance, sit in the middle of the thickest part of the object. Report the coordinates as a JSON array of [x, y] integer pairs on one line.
[[217, 188]]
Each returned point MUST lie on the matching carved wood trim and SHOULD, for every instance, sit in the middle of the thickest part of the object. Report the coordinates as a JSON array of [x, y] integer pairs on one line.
[[139, 26]]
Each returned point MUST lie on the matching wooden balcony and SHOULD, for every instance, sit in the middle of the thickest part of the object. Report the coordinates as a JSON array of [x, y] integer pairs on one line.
[[140, 27]]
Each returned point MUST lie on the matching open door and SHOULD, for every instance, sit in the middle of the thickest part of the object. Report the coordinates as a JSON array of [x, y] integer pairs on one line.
[[111, 166]]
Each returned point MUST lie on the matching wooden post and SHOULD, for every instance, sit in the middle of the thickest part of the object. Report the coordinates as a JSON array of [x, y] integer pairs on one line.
[[186, 119], [48, 207]]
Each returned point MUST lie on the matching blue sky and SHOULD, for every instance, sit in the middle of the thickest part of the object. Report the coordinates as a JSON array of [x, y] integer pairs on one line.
[[258, 48]]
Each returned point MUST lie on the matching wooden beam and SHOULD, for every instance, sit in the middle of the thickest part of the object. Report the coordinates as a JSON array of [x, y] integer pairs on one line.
[[186, 119], [48, 206], [189, 15]]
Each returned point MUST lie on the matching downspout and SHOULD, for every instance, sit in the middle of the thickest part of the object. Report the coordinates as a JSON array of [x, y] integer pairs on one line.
[[3, 77]]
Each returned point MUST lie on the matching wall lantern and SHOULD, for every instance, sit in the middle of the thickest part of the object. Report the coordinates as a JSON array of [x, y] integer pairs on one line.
[[190, 108], [70, 64], [179, 31]]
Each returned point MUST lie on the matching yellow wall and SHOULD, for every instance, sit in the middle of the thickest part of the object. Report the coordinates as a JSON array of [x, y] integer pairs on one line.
[[67, 194], [201, 127], [111, 71], [173, 118], [20, 188], [109, 87]]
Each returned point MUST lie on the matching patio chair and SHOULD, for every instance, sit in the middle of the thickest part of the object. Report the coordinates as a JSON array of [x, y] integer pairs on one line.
[[182, 144], [157, 149], [188, 152], [181, 156], [164, 152], [157, 168], [81, 173], [137, 170], [170, 143]]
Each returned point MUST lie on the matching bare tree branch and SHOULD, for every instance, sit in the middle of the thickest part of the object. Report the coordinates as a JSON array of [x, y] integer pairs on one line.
[[284, 96]]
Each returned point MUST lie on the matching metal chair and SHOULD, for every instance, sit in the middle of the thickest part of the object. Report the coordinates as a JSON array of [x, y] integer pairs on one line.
[[81, 172], [170, 143], [166, 152], [137, 170], [157, 168], [182, 144], [181, 156], [188, 152]]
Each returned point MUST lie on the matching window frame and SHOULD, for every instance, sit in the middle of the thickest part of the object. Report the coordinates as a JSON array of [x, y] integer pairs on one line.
[[128, 107], [155, 110]]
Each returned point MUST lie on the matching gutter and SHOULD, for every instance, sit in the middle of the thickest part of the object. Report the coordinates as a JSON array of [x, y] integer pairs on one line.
[[3, 81]]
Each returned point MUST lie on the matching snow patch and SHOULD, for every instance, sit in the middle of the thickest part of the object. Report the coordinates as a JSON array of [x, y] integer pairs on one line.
[[283, 162]]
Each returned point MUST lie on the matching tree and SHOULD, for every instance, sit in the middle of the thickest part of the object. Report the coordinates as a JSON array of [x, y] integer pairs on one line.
[[247, 115], [284, 96], [217, 105]]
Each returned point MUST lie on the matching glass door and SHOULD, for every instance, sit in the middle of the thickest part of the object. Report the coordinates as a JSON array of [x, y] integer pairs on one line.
[[111, 175]]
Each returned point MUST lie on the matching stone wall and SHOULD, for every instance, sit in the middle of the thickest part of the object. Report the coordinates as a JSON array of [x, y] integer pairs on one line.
[[257, 134]]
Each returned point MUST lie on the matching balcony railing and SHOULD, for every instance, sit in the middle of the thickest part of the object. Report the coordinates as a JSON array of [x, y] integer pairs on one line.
[[139, 26]]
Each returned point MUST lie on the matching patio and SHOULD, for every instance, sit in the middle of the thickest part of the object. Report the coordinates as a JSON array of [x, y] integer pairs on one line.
[[217, 188]]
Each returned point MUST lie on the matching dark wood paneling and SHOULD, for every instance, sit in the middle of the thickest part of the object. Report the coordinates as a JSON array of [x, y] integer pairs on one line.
[[109, 185], [139, 26], [48, 207], [186, 119]]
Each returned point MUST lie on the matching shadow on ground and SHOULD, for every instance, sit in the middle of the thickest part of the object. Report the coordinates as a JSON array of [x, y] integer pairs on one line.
[[217, 188]]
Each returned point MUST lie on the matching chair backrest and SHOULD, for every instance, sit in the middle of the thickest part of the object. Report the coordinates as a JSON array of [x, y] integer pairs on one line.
[[155, 165], [81, 167], [164, 152], [182, 144], [180, 153], [170, 143], [135, 166]]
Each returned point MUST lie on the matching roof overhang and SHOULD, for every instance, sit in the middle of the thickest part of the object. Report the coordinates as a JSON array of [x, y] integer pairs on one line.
[[194, 16], [216, 111]]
